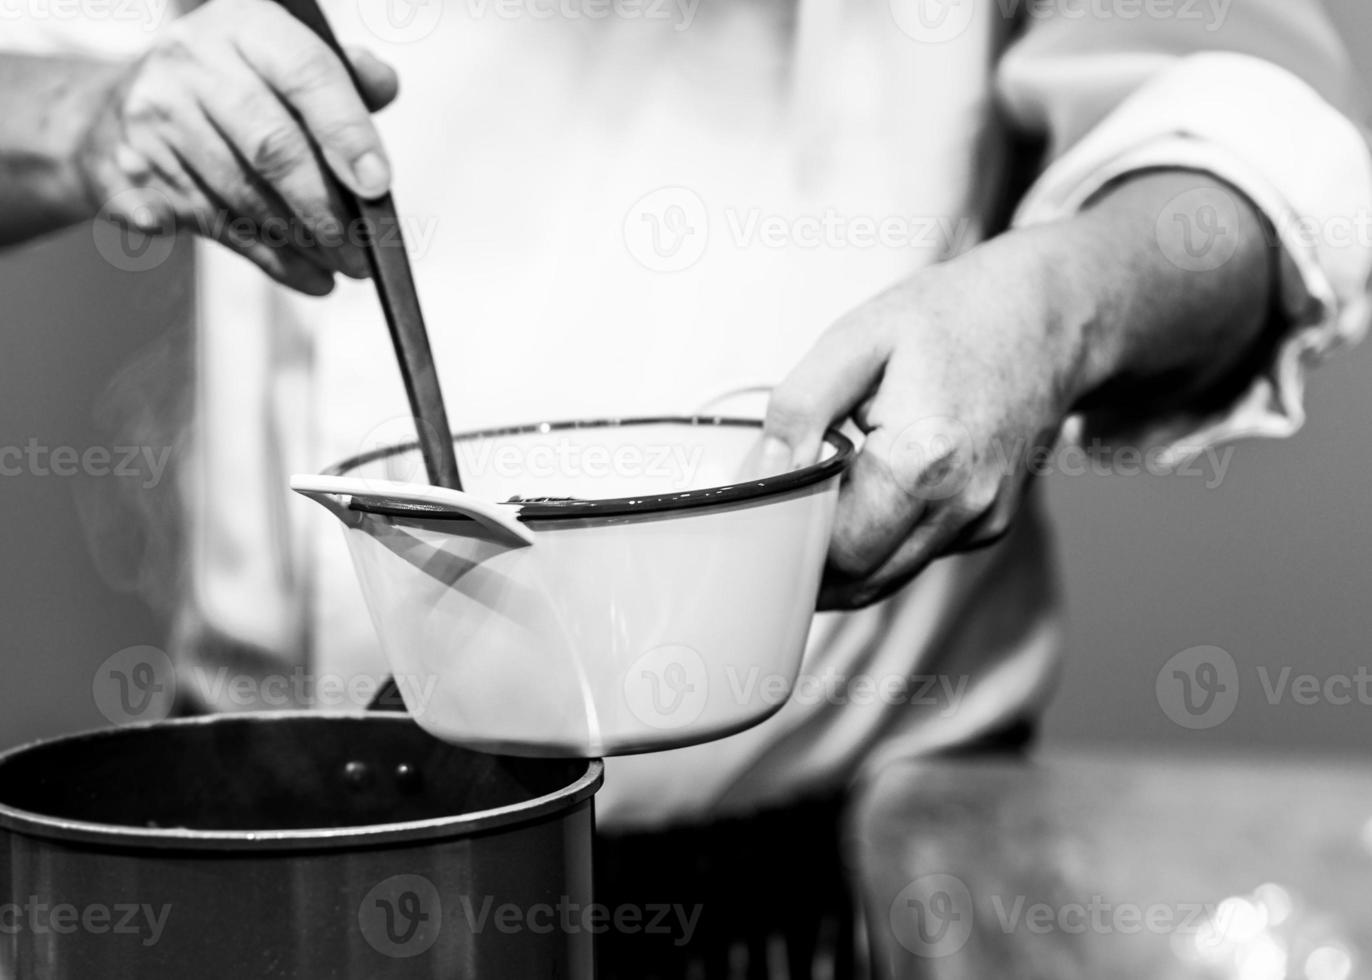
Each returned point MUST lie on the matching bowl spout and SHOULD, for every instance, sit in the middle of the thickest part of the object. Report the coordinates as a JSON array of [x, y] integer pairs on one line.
[[336, 494]]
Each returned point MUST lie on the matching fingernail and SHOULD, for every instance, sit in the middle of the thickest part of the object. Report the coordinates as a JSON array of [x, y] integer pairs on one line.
[[318, 283], [355, 264], [774, 458], [373, 174]]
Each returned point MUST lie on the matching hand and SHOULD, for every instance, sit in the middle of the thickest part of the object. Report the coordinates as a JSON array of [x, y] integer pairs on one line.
[[962, 376], [228, 126]]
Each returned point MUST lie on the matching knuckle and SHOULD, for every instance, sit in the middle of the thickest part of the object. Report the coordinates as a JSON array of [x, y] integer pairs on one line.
[[978, 499], [278, 151], [787, 411], [352, 135], [176, 46], [316, 67], [146, 103], [852, 561]]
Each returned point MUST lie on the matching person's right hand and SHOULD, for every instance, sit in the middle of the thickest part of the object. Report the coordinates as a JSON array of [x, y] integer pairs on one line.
[[228, 125]]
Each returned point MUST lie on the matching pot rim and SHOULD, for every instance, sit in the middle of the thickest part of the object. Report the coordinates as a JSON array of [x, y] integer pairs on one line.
[[562, 510], [123, 836]]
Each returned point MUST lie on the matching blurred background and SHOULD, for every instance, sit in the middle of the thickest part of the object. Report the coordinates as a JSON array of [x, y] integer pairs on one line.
[[1270, 565]]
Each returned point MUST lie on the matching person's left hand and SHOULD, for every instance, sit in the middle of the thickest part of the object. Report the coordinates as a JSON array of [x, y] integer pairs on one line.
[[962, 376]]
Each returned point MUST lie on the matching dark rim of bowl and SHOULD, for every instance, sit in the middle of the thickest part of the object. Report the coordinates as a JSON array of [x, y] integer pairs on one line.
[[559, 801], [556, 510]]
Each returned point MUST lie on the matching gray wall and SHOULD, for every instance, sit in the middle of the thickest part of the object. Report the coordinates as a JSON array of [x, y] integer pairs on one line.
[[1271, 565]]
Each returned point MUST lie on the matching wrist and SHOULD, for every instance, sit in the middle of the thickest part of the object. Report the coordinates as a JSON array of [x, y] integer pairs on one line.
[[73, 187], [48, 130], [1074, 291], [1159, 285]]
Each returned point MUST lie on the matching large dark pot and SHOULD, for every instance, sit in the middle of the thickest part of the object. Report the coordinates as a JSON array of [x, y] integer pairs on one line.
[[291, 845]]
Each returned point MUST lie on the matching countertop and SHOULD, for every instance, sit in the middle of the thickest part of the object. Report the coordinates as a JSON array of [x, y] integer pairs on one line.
[[1095, 865]]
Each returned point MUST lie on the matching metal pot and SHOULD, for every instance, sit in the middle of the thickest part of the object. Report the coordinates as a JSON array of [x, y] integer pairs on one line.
[[291, 845]]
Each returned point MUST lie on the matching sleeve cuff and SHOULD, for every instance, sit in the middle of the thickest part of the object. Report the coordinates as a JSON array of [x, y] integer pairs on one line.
[[1264, 131]]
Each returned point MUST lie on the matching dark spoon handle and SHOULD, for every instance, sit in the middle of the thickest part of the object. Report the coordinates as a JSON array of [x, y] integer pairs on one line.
[[390, 267]]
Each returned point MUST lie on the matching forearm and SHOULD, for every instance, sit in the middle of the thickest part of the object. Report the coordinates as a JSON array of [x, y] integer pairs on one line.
[[1168, 278], [46, 107]]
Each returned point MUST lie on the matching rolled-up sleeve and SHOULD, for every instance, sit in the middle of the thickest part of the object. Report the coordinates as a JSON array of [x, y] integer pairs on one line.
[[1262, 97]]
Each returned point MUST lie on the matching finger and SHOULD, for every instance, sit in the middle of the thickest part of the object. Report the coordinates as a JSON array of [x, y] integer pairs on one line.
[[269, 143], [286, 266], [237, 209], [928, 541], [837, 374], [302, 70], [994, 525], [875, 510], [163, 209], [377, 80]]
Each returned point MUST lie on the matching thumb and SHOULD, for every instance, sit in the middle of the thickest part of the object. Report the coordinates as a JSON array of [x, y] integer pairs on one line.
[[834, 378], [376, 80]]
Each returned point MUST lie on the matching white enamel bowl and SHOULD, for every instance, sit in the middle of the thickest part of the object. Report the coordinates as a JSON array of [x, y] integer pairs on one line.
[[667, 604]]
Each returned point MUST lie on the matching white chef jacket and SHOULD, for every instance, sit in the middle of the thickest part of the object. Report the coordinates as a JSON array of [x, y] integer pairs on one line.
[[632, 213]]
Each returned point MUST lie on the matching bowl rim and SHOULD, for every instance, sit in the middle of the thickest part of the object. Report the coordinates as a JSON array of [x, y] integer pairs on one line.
[[562, 800], [560, 510]]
